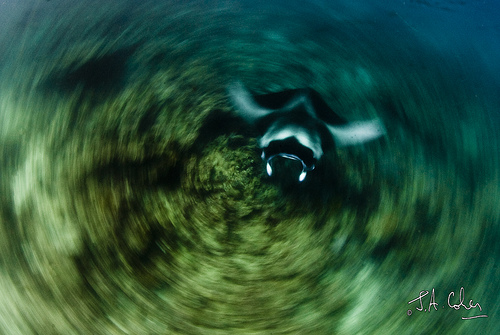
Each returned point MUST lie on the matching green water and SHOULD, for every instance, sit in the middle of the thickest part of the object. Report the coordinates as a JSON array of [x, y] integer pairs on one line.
[[133, 200]]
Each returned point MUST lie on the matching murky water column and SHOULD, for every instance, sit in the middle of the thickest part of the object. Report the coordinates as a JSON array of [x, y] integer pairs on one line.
[[133, 197]]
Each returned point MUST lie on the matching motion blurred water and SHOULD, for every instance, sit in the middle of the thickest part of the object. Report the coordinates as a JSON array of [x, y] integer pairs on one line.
[[133, 199]]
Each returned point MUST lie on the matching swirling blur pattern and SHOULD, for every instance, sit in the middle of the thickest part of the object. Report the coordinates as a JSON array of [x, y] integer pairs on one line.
[[133, 200]]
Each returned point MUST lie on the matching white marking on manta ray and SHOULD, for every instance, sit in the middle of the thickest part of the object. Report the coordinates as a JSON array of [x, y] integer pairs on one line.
[[356, 132], [269, 169], [303, 136], [243, 99], [301, 99]]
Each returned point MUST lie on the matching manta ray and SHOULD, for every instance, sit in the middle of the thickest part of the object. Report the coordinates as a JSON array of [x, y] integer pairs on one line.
[[297, 124]]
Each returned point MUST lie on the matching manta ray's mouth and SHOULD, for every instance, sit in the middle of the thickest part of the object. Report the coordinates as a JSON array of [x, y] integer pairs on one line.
[[296, 156], [305, 167]]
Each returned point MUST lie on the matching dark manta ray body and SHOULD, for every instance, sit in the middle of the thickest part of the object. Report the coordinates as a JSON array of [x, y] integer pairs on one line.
[[298, 125]]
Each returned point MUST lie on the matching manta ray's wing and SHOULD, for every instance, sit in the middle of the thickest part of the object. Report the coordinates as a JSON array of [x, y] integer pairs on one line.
[[293, 99], [321, 109], [252, 108], [356, 132], [303, 104], [282, 100], [247, 107]]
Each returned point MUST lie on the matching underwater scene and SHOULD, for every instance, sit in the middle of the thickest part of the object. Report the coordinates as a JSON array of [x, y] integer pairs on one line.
[[249, 167]]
